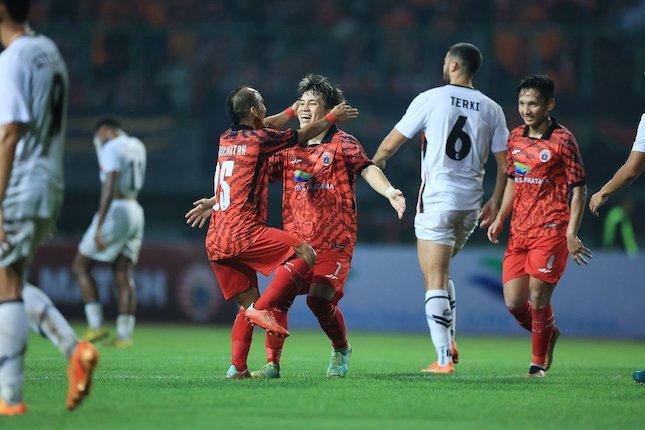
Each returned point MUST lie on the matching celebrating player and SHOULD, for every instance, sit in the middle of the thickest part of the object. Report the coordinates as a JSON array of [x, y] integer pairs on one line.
[[632, 169], [319, 205], [461, 126], [543, 164], [238, 242], [116, 231], [33, 116]]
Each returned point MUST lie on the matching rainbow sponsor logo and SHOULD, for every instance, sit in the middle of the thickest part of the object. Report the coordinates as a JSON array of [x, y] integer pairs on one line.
[[521, 169], [301, 176]]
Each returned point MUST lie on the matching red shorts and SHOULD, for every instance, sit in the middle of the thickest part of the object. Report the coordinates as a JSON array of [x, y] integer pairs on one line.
[[331, 268], [542, 257], [271, 249]]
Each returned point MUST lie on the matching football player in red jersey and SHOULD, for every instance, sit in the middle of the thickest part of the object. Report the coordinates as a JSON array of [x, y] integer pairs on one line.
[[238, 243], [319, 205], [543, 166]]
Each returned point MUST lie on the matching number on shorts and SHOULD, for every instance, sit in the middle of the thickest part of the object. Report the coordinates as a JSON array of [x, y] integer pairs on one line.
[[458, 144], [222, 188]]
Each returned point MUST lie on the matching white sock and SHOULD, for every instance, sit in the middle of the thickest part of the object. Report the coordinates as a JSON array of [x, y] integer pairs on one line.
[[453, 308], [439, 319], [13, 343], [47, 321], [124, 326], [94, 315]]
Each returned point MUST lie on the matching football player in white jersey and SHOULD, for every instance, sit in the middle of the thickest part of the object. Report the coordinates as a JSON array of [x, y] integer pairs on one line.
[[33, 108], [628, 173], [116, 232], [461, 126]]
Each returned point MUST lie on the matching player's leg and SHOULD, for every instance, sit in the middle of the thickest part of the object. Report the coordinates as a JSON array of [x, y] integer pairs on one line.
[[13, 336], [543, 323], [515, 282], [434, 259], [239, 282], [81, 268], [122, 270]]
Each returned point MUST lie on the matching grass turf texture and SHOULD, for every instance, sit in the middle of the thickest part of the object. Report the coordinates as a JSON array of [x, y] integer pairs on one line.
[[173, 378]]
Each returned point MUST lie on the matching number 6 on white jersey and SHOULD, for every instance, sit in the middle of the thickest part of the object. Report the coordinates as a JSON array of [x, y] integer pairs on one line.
[[223, 199]]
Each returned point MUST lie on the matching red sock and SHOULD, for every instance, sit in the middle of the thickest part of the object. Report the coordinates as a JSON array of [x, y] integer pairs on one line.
[[543, 323], [331, 320], [284, 284], [241, 341], [523, 316], [273, 344]]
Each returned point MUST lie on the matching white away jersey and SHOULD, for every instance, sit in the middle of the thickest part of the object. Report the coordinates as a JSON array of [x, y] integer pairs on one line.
[[461, 126], [639, 142], [126, 155], [33, 91]]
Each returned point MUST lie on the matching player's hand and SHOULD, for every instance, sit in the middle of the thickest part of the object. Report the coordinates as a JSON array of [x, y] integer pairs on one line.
[[596, 202], [397, 200], [344, 112], [494, 230], [577, 250], [200, 213], [488, 214], [98, 239]]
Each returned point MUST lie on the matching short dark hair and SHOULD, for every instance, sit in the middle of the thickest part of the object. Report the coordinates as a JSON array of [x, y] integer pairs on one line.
[[239, 102], [542, 83], [18, 9], [107, 122], [469, 56], [321, 86]]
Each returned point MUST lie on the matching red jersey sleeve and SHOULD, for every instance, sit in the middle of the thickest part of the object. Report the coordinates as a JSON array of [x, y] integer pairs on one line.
[[273, 141], [356, 159], [572, 160], [276, 167]]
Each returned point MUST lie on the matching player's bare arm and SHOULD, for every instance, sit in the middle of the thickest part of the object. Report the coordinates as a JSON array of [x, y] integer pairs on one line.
[[10, 134], [627, 174], [577, 250], [340, 112], [200, 213], [388, 147], [376, 179], [281, 119], [497, 225], [491, 208], [108, 191]]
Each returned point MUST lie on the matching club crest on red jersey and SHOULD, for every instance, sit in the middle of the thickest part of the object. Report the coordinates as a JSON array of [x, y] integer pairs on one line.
[[545, 155], [326, 159]]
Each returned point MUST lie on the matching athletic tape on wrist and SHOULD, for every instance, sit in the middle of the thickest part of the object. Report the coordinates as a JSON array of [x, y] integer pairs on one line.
[[331, 119], [390, 192], [290, 112]]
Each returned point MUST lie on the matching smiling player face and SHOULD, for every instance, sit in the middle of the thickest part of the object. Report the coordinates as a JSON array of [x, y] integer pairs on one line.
[[533, 108], [311, 108]]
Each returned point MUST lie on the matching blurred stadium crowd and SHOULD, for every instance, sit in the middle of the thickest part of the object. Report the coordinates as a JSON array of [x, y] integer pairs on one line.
[[165, 66]]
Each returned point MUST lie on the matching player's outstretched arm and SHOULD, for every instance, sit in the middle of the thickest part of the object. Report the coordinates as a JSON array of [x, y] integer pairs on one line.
[[577, 250], [495, 229], [200, 213], [379, 183], [281, 119], [10, 134], [491, 208], [388, 147], [340, 112], [628, 172]]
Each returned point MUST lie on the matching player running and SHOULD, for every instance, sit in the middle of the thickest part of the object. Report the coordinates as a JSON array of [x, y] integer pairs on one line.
[[238, 242], [319, 205], [543, 165], [460, 127]]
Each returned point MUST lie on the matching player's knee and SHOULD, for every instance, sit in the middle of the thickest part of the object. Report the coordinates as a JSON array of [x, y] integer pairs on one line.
[[307, 253], [319, 305], [80, 267]]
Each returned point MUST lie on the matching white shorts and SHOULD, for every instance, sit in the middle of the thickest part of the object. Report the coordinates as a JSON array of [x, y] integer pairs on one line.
[[452, 228], [24, 237], [122, 233]]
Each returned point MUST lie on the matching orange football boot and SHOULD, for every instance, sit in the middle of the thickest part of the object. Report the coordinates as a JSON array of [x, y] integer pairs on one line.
[[436, 368], [7, 410], [79, 373]]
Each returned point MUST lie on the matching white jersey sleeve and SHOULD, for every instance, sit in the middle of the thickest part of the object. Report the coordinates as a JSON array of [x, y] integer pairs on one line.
[[13, 103], [639, 142], [110, 159], [126, 155], [500, 133], [415, 117]]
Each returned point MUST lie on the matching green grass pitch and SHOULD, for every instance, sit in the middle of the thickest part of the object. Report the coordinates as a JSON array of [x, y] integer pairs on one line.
[[173, 378]]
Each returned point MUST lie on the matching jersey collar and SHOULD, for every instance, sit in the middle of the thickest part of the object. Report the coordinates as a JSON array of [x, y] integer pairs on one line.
[[330, 133], [547, 133]]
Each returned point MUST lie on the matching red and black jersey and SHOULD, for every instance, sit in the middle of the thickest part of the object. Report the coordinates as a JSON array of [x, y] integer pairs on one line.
[[319, 201], [241, 187], [544, 169]]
